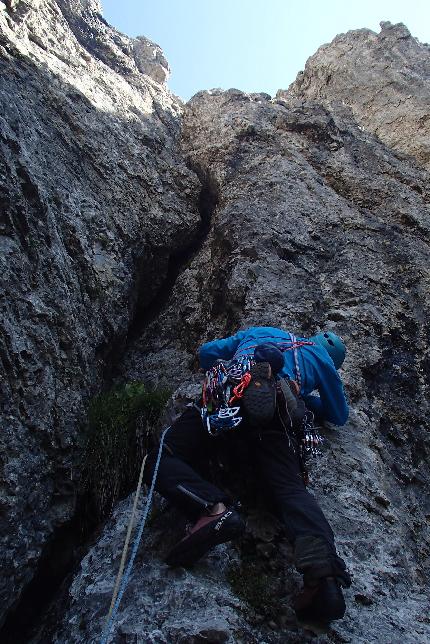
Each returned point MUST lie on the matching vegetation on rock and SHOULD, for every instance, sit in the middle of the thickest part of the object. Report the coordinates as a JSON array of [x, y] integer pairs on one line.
[[120, 424]]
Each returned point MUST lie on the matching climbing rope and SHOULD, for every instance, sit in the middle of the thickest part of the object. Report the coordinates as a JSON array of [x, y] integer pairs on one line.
[[240, 388], [127, 541], [121, 585], [296, 359]]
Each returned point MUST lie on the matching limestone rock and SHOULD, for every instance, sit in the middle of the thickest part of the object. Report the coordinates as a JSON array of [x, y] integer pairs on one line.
[[94, 199], [291, 213], [150, 59], [317, 224], [166, 605], [383, 78], [125, 55]]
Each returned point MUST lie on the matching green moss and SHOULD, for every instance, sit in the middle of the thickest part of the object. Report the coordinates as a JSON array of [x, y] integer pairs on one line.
[[256, 586], [120, 425]]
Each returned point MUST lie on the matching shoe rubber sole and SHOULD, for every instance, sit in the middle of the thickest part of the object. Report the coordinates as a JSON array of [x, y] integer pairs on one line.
[[192, 548], [327, 604]]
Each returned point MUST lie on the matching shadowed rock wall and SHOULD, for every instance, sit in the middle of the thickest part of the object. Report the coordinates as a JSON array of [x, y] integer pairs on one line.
[[94, 199]]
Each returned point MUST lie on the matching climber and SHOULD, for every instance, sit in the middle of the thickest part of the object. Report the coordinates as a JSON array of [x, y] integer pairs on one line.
[[312, 364]]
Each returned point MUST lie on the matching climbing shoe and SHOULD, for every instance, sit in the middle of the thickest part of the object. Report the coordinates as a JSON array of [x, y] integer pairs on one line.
[[322, 602], [209, 531], [259, 398], [324, 575]]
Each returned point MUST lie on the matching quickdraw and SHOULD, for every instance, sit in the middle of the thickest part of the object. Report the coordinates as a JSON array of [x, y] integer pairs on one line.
[[225, 419], [311, 440]]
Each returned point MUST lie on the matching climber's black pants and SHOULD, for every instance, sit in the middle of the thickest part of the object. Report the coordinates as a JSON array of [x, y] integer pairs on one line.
[[188, 448]]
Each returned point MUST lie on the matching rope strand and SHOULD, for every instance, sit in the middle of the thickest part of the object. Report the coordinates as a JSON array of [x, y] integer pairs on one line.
[[113, 611]]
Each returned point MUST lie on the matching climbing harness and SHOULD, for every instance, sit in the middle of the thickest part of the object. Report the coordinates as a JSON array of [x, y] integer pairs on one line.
[[121, 584]]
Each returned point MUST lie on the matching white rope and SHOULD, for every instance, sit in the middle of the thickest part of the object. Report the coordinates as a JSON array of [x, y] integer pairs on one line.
[[124, 578], [127, 541]]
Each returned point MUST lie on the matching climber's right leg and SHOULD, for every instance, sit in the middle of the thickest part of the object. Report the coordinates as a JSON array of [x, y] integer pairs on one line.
[[186, 451]]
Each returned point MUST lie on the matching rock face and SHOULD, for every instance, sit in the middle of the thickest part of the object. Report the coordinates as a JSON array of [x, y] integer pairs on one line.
[[123, 54], [167, 605], [309, 221], [94, 201], [317, 224], [150, 60], [384, 78]]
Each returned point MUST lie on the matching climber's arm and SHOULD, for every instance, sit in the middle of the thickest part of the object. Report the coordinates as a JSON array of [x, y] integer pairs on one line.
[[216, 349], [331, 404]]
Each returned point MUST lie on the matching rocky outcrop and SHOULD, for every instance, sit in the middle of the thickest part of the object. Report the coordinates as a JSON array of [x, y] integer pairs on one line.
[[150, 59], [383, 78], [95, 200], [315, 224], [123, 54], [167, 605], [289, 213]]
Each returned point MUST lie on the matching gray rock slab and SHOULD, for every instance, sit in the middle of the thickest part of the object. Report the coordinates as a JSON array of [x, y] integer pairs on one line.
[[320, 225], [94, 198], [384, 79]]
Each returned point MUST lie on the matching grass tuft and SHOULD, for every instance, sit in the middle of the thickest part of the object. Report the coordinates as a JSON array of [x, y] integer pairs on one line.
[[120, 425]]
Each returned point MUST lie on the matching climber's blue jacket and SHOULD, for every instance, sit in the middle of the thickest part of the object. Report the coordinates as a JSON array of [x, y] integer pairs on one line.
[[317, 370]]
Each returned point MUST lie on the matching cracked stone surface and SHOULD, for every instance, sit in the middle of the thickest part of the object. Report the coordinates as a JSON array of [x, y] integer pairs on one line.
[[94, 199], [317, 224], [310, 222], [384, 79]]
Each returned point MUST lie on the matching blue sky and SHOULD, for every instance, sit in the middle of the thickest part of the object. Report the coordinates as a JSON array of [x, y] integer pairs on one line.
[[253, 45]]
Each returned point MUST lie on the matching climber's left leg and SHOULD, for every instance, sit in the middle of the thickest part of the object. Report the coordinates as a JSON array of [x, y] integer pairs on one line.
[[308, 529]]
